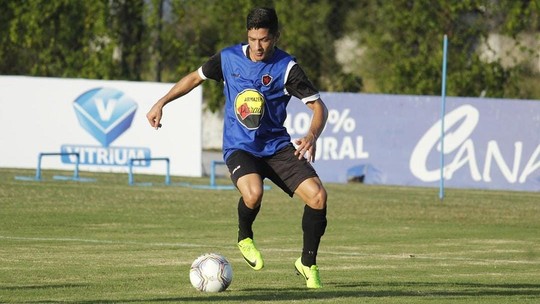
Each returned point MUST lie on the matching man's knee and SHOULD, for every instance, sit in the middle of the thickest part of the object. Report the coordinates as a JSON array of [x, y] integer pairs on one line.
[[252, 197], [319, 199], [313, 193]]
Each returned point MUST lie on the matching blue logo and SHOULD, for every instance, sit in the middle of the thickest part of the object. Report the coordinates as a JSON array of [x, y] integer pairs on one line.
[[105, 113]]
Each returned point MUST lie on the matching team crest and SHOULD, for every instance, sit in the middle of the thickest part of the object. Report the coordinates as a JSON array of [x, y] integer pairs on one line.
[[249, 108], [266, 79]]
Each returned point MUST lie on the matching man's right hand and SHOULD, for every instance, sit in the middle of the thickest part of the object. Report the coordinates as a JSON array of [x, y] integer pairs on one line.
[[154, 116]]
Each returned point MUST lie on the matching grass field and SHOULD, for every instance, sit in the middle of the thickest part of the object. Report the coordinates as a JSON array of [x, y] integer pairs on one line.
[[108, 242]]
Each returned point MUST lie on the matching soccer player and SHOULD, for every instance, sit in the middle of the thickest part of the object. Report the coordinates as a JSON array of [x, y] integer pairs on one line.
[[259, 80]]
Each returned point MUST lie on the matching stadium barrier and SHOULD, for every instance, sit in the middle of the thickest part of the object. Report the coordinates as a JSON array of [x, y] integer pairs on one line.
[[131, 177], [74, 177], [213, 184]]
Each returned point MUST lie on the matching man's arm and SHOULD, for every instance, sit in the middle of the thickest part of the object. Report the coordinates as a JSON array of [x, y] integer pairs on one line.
[[181, 88], [308, 143]]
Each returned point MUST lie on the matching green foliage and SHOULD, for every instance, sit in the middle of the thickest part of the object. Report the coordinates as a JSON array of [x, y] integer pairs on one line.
[[404, 45], [398, 43], [128, 32], [54, 38], [313, 42], [518, 16]]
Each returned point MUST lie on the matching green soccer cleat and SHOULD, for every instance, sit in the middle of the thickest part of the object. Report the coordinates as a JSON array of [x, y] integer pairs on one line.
[[252, 256], [311, 274]]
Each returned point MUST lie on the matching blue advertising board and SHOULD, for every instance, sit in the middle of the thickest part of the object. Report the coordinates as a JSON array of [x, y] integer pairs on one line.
[[396, 140]]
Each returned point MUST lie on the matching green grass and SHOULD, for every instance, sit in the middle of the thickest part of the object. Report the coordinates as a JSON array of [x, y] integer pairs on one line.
[[108, 242]]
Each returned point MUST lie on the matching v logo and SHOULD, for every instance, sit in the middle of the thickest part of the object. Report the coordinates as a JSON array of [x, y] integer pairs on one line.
[[105, 111]]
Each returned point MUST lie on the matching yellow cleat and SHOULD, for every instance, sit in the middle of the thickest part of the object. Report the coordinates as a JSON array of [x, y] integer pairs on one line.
[[252, 256], [311, 274]]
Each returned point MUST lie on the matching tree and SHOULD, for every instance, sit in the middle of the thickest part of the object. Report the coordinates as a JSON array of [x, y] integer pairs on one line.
[[396, 45], [403, 40], [52, 38], [128, 32], [310, 29], [67, 38]]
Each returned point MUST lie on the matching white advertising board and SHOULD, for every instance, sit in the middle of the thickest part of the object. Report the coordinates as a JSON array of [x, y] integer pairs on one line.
[[103, 121]]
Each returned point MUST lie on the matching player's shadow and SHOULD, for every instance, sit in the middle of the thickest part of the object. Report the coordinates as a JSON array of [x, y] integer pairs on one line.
[[397, 289], [356, 290]]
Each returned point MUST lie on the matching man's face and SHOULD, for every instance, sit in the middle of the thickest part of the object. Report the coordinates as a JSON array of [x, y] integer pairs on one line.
[[261, 44]]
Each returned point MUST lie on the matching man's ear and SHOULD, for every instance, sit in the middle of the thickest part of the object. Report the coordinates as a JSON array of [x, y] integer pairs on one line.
[[276, 36]]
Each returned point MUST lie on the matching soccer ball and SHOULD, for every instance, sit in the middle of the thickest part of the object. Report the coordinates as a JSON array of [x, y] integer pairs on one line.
[[211, 272]]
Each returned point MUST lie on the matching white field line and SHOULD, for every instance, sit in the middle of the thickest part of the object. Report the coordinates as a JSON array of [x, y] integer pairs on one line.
[[79, 240], [337, 253]]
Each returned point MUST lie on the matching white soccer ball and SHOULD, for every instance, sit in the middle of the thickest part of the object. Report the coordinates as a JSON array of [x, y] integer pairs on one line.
[[211, 272]]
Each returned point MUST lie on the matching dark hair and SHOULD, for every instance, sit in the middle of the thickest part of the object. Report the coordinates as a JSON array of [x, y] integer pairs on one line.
[[262, 17]]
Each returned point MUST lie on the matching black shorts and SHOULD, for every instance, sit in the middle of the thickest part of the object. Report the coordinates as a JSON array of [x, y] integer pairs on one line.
[[283, 168]]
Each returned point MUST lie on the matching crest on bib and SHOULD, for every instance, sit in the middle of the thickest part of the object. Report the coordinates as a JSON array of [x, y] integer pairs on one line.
[[266, 79]]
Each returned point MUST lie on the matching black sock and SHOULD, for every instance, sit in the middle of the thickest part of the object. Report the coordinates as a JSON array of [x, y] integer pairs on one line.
[[246, 217], [313, 224]]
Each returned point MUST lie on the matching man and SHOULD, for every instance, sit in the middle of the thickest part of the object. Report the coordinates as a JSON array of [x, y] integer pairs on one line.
[[259, 80]]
